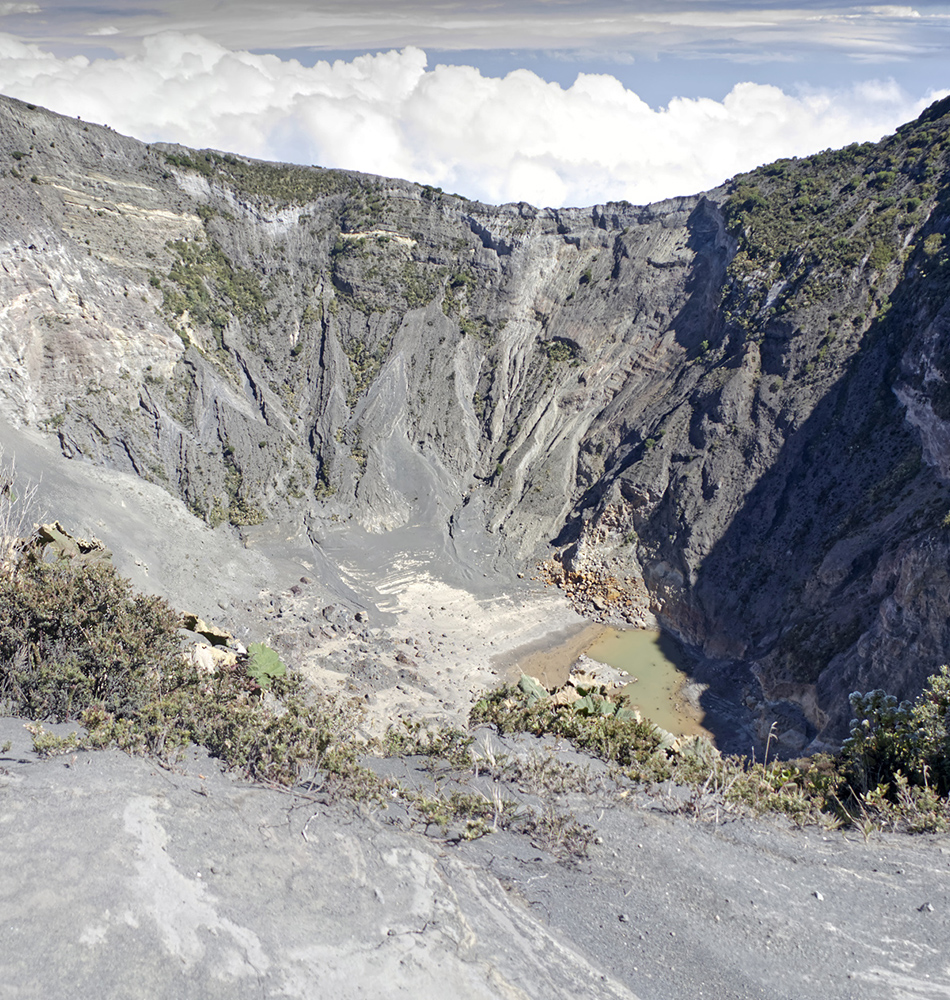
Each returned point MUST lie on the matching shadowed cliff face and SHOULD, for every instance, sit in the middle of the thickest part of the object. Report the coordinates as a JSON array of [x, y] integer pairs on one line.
[[728, 412]]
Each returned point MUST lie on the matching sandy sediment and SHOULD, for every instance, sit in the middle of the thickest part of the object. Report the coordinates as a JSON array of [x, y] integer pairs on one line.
[[549, 659], [449, 644]]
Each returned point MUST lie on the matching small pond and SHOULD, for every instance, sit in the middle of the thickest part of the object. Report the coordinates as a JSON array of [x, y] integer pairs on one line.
[[660, 667]]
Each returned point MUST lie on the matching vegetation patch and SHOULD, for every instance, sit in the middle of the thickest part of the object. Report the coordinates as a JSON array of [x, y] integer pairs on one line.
[[559, 351], [804, 226], [206, 288], [278, 184], [77, 643], [237, 507], [892, 773], [375, 271], [410, 738], [365, 365]]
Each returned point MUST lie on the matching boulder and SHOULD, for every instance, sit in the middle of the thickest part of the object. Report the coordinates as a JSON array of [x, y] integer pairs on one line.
[[215, 635]]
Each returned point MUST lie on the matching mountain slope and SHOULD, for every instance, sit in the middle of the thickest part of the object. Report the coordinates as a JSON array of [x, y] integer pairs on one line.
[[727, 412]]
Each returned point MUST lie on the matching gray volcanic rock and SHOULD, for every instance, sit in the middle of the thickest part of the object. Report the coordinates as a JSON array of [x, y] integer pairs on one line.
[[120, 877], [728, 411]]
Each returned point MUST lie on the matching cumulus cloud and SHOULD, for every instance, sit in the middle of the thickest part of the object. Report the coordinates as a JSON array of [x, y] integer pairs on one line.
[[497, 139]]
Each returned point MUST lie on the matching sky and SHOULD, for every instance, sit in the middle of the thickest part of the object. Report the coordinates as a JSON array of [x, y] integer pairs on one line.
[[553, 102]]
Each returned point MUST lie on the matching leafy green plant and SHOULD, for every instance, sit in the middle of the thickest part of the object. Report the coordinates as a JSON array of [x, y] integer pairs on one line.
[[911, 739], [263, 664]]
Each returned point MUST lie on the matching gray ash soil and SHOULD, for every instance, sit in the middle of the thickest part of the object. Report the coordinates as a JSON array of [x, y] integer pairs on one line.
[[122, 877]]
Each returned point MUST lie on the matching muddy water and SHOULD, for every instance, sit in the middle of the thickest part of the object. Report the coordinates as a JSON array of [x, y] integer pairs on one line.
[[551, 664], [660, 667]]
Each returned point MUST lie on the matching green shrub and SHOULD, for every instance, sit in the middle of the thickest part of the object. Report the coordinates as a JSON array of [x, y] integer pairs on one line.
[[559, 350], [890, 740], [933, 244], [73, 634]]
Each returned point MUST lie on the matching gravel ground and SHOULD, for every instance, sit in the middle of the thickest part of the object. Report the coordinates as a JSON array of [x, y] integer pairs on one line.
[[123, 878]]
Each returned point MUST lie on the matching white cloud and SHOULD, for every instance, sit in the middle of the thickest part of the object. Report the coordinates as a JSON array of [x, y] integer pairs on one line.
[[509, 139], [893, 11]]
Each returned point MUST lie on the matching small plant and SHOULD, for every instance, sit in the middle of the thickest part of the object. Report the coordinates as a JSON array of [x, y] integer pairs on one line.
[[264, 665], [933, 244], [453, 746], [477, 814], [559, 833], [559, 351]]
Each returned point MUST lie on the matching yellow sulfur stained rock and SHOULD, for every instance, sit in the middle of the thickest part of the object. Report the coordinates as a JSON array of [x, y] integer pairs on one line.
[[209, 659], [216, 636]]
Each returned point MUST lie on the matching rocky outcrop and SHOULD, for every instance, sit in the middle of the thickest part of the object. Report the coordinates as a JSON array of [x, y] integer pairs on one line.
[[724, 413]]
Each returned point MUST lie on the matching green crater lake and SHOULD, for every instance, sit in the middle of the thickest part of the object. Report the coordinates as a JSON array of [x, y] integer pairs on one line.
[[660, 667]]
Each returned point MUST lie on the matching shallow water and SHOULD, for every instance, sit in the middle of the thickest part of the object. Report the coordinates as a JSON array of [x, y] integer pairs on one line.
[[548, 664], [660, 667]]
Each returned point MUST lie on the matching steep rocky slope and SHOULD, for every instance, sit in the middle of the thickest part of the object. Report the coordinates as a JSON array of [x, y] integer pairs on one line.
[[725, 412]]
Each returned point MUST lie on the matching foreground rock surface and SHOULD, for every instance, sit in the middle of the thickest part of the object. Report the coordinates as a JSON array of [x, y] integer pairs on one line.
[[120, 877]]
